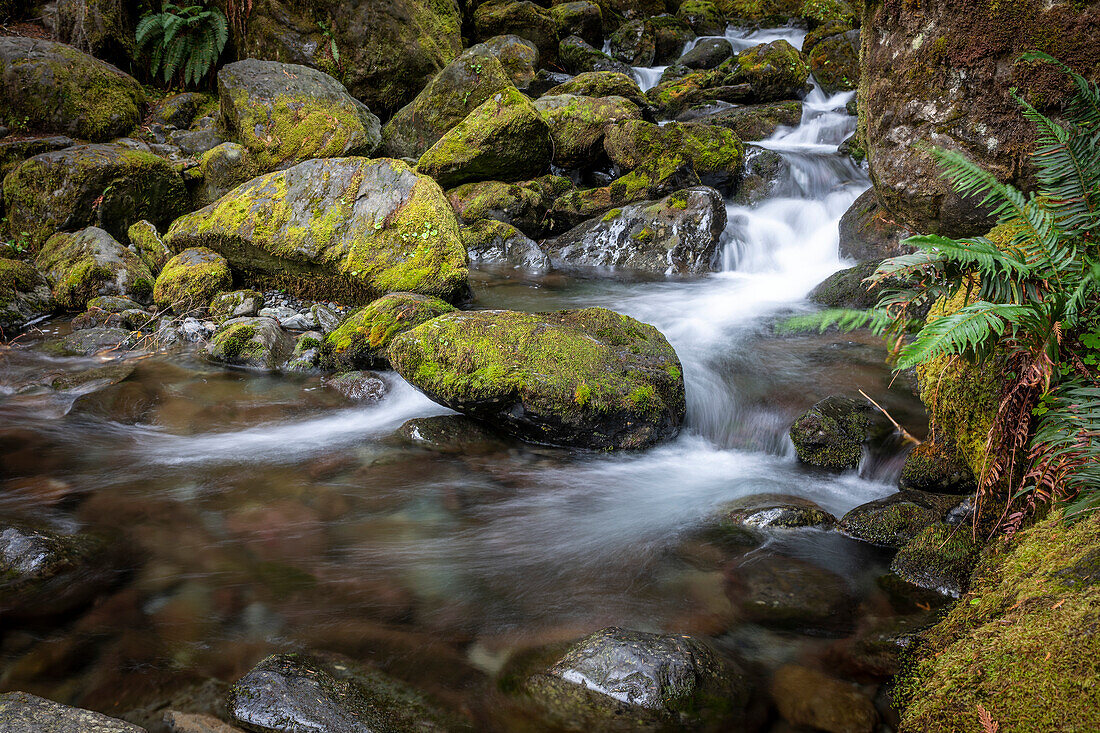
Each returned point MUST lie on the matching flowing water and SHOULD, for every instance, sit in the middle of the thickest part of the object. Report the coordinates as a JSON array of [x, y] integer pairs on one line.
[[266, 513]]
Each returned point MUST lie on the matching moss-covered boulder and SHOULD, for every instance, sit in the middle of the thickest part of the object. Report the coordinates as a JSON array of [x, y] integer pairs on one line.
[[774, 70], [602, 84], [235, 304], [867, 232], [677, 235], [505, 138], [251, 343], [670, 35], [578, 57], [24, 295], [110, 186], [755, 121], [773, 511], [492, 243], [524, 19], [335, 228], [708, 53], [831, 433], [579, 18], [220, 169], [898, 518], [1018, 642], [848, 288], [655, 681], [518, 56], [286, 113], [705, 18], [588, 378], [180, 110], [714, 153], [49, 86], [91, 262], [525, 204], [190, 279], [834, 62], [764, 12], [940, 558], [931, 466], [361, 341], [452, 94], [674, 95], [146, 243], [816, 701], [634, 43], [14, 150], [577, 124], [292, 692]]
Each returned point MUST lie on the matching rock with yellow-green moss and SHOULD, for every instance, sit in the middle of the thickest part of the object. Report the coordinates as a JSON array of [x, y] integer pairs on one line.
[[634, 43], [588, 378], [524, 204], [834, 62], [932, 466], [751, 121], [652, 179], [578, 57], [91, 262], [579, 18], [235, 304], [522, 18], [677, 235], [190, 279], [775, 71], [762, 12], [221, 169], [24, 295], [896, 519], [939, 558], [715, 153], [348, 229], [109, 185], [518, 56], [496, 244], [831, 433], [679, 92], [360, 342], [53, 87], [602, 84], [577, 124], [505, 138], [146, 243], [286, 113], [705, 18], [452, 94], [251, 343]]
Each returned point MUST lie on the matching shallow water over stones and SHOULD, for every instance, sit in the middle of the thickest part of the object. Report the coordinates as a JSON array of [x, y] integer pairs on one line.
[[276, 513]]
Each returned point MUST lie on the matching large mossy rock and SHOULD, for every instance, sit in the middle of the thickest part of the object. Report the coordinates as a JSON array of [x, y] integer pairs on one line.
[[579, 57], [25, 713], [524, 19], [831, 433], [579, 18], [505, 138], [834, 62], [335, 228], [191, 279], [654, 681], [589, 378], [1018, 643], [251, 343], [24, 295], [91, 262], [868, 233], [775, 71], [704, 17], [14, 150], [110, 186], [940, 558], [677, 235], [457, 90], [602, 84], [287, 113], [524, 204], [895, 520], [577, 124], [634, 43], [361, 341], [755, 121], [714, 153], [941, 75], [518, 56], [387, 50], [52, 87], [296, 692], [492, 243], [932, 466]]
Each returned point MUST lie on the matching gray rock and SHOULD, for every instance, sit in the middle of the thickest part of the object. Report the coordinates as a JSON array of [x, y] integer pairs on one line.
[[326, 318], [490, 242], [90, 263], [707, 54], [359, 386], [252, 343], [14, 152], [22, 712], [236, 304], [299, 322], [578, 57], [896, 519], [868, 232], [790, 594], [195, 142], [24, 296], [91, 341], [775, 511]]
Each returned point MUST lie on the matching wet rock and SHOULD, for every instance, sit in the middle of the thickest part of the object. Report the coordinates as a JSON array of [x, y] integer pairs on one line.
[[848, 288], [525, 205], [774, 70], [24, 296], [505, 138], [602, 84], [764, 171], [93, 379], [359, 386], [940, 558], [252, 343], [179, 110], [634, 43], [146, 243], [588, 378], [491, 242], [577, 125], [578, 57], [109, 186], [26, 713], [756, 121], [361, 341], [671, 34], [831, 433], [898, 518], [518, 56], [931, 466], [790, 594], [524, 19], [775, 511], [14, 152], [44, 574], [806, 697], [876, 648], [47, 84], [366, 213], [682, 90], [651, 680], [868, 233], [834, 62], [714, 153], [677, 235], [190, 280], [180, 722], [456, 434], [291, 692], [326, 318], [581, 18], [236, 304], [705, 18], [307, 353], [708, 53], [90, 341], [455, 92]]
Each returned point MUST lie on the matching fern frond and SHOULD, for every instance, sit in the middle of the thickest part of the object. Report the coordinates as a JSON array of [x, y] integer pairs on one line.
[[1065, 450], [1084, 107], [973, 329], [878, 320]]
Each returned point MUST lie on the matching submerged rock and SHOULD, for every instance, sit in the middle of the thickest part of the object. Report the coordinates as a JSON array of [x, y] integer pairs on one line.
[[651, 680], [450, 434], [286, 113], [336, 228], [790, 594], [589, 378], [806, 697], [491, 242], [24, 295], [361, 341], [88, 263], [677, 235], [896, 519], [26, 713], [190, 279], [831, 433], [252, 343]]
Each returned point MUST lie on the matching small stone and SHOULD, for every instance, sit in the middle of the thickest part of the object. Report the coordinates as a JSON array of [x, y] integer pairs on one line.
[[806, 697]]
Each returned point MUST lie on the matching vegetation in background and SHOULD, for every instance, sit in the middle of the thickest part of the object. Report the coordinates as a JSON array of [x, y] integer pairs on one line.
[[1030, 292], [184, 43]]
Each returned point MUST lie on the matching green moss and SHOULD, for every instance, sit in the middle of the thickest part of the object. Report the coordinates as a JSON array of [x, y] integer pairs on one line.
[[237, 342], [1021, 643], [88, 263], [191, 279], [150, 249], [361, 341]]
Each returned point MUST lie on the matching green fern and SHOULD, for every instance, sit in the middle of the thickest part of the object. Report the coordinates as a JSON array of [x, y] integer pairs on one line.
[[184, 43]]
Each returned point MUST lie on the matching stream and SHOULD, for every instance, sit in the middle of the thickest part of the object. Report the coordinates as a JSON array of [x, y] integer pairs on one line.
[[264, 513]]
